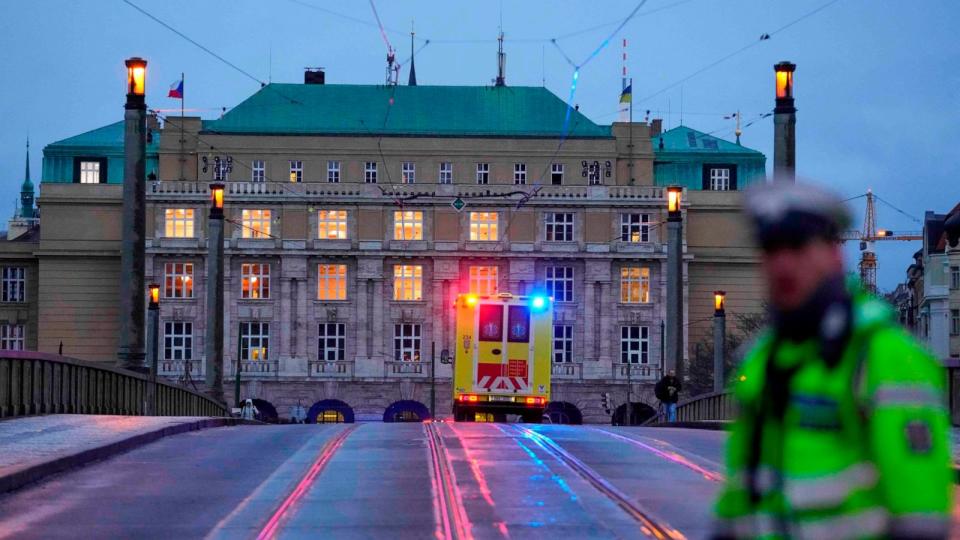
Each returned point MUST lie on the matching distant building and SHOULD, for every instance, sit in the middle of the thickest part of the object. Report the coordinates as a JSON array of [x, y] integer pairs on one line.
[[345, 249]]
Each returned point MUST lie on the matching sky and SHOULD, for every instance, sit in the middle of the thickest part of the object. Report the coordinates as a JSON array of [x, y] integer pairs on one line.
[[876, 84]]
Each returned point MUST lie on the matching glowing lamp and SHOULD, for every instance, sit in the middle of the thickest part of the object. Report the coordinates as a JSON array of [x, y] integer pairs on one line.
[[216, 196], [154, 295], [471, 299], [883, 233], [784, 71], [719, 301], [538, 302], [253, 279], [136, 76], [674, 196]]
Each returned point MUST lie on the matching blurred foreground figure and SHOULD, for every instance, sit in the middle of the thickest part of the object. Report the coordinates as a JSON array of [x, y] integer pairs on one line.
[[843, 426]]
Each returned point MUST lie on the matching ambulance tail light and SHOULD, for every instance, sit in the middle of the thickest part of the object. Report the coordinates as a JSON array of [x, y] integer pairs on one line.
[[534, 401], [467, 398]]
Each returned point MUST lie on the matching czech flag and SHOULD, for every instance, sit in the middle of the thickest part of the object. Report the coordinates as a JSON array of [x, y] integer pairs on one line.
[[176, 90], [627, 95]]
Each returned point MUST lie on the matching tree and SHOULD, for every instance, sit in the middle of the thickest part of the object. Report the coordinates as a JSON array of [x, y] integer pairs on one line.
[[740, 335]]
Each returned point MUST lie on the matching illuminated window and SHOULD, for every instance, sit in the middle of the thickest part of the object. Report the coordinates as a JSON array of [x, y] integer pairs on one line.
[[407, 282], [333, 172], [720, 179], [89, 172], [331, 341], [11, 337], [407, 225], [559, 282], [177, 340], [559, 227], [178, 280], [519, 173], [562, 343], [296, 170], [446, 172], [556, 174], [254, 341], [370, 172], [483, 173], [258, 171], [332, 224], [634, 345], [634, 285], [254, 223], [408, 172], [255, 281], [14, 284], [331, 282], [483, 280], [634, 228], [406, 342], [178, 222], [483, 226]]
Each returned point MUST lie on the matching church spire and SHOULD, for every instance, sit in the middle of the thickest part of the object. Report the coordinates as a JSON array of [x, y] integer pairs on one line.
[[412, 81], [27, 209]]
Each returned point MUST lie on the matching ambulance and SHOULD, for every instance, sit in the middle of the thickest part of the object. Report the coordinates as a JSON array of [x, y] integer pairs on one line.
[[502, 357]]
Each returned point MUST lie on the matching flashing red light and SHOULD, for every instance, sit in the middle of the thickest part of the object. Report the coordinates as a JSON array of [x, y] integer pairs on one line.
[[472, 398], [534, 401]]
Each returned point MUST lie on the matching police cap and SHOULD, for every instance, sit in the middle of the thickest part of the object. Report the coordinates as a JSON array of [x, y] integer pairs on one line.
[[787, 214]]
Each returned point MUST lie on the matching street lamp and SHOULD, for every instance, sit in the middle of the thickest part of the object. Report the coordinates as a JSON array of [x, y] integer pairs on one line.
[[719, 338], [213, 346], [130, 349], [674, 300], [153, 347], [785, 124]]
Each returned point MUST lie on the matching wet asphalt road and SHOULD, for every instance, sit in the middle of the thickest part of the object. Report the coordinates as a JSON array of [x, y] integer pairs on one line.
[[440, 480]]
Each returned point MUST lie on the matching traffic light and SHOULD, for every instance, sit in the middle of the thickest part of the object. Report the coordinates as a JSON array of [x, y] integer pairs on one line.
[[605, 401]]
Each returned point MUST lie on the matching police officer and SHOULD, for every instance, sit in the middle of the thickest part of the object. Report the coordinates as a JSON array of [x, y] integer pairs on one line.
[[843, 426]]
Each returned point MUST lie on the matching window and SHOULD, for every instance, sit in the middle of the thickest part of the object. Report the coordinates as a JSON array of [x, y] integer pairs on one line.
[[331, 282], [556, 174], [407, 282], [254, 341], [255, 280], [519, 173], [370, 172], [90, 172], [483, 173], [296, 170], [559, 227], [331, 342], [719, 179], [634, 345], [178, 280], [635, 228], [483, 280], [254, 223], [446, 172], [406, 342], [222, 168], [408, 172], [634, 285], [11, 337], [14, 284], [258, 171], [560, 283], [333, 172], [483, 226], [332, 224], [955, 322], [562, 343], [407, 225], [177, 340], [955, 277], [179, 222]]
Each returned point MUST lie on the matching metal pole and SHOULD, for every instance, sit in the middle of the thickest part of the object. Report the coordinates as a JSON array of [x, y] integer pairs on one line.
[[784, 125], [433, 379], [214, 330], [236, 385], [674, 325], [130, 350], [719, 348], [629, 409], [153, 349]]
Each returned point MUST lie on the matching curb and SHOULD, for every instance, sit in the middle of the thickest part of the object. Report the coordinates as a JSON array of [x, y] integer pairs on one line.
[[34, 473]]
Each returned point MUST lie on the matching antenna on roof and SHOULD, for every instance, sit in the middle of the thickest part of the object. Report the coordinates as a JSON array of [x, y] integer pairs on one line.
[[501, 62], [393, 68]]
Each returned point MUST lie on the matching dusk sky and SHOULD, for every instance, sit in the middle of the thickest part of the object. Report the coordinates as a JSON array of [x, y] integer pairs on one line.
[[877, 87]]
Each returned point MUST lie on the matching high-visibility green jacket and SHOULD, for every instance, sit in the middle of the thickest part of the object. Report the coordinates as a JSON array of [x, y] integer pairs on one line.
[[860, 449]]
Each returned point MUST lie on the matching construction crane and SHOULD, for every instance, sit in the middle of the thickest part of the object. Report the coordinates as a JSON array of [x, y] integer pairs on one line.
[[869, 235]]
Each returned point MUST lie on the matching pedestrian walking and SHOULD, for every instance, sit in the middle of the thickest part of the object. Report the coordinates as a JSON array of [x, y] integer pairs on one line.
[[842, 431], [249, 410], [667, 390]]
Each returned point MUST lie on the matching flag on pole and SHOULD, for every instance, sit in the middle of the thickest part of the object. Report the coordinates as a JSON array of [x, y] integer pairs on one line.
[[627, 95], [176, 90]]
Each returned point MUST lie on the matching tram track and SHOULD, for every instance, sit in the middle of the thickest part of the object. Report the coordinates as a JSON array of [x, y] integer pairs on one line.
[[451, 516], [650, 526], [680, 458]]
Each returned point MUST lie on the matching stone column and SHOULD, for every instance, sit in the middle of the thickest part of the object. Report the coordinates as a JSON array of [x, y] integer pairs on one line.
[[213, 340]]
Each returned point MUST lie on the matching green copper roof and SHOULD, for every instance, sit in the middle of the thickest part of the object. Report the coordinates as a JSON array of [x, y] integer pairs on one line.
[[513, 111], [684, 139], [109, 136]]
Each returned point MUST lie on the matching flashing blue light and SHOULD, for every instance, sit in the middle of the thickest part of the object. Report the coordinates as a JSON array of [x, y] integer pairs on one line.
[[538, 302]]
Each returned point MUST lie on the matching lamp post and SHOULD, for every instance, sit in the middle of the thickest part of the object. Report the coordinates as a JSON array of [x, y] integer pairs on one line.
[[784, 125], [674, 333], [130, 350], [213, 345], [719, 338], [153, 347]]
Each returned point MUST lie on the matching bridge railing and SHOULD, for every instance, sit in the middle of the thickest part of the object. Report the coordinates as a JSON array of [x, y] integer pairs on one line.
[[40, 383], [715, 406]]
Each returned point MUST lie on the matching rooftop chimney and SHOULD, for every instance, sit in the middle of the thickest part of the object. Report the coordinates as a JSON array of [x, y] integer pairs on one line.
[[656, 126], [314, 76]]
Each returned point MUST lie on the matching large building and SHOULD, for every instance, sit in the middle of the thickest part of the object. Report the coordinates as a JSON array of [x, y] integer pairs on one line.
[[356, 214]]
